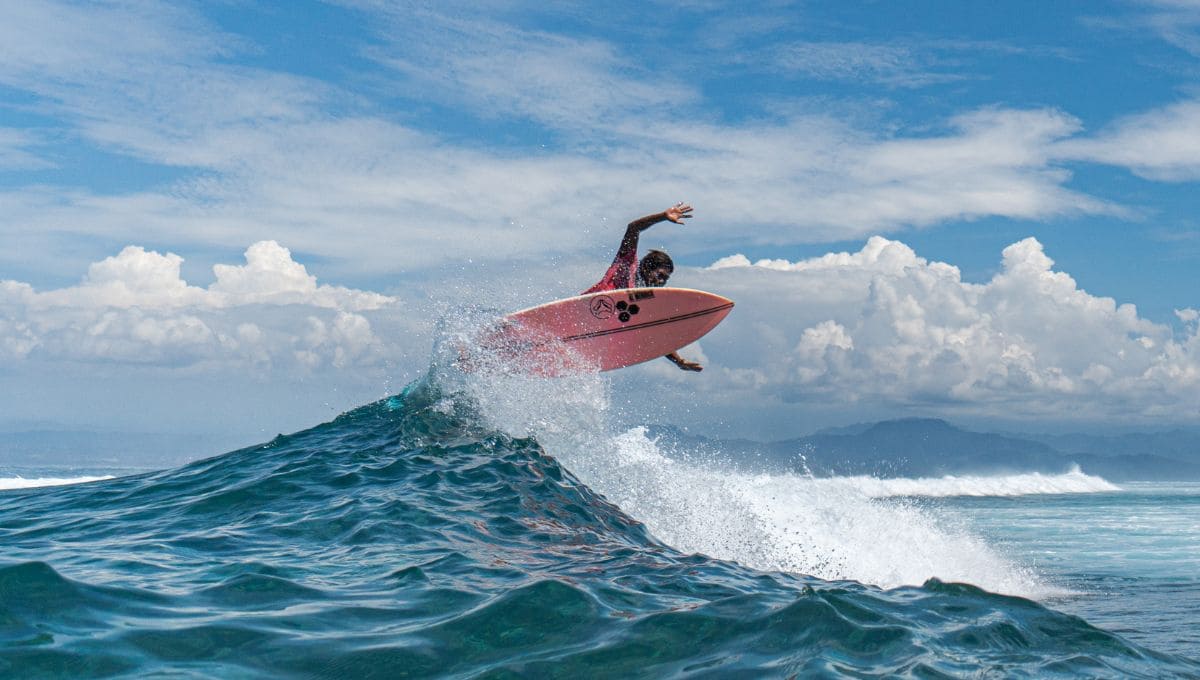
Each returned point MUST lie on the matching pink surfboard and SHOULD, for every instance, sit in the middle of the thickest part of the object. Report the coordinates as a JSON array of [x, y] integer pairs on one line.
[[603, 331]]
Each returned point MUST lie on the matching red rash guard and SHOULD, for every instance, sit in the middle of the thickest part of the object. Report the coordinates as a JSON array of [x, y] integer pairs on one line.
[[622, 273]]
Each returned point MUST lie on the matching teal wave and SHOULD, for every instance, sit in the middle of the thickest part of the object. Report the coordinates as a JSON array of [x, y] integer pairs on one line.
[[404, 539]]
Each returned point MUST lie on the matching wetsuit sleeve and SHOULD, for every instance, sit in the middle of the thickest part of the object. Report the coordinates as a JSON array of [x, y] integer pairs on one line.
[[621, 272]]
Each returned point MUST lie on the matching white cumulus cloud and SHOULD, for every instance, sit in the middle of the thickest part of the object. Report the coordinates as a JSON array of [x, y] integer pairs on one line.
[[135, 307], [887, 326]]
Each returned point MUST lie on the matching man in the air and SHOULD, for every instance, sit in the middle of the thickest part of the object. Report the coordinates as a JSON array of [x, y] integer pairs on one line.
[[654, 269]]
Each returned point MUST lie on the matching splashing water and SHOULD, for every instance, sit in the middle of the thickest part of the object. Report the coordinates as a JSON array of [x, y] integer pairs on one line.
[[838, 529]]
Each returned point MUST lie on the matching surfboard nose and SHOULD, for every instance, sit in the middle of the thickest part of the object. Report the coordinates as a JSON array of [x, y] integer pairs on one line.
[[712, 297]]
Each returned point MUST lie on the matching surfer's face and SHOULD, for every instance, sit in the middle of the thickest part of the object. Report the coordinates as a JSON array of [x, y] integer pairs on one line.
[[657, 276]]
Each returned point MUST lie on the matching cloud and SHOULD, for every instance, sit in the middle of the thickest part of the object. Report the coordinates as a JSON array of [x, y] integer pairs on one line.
[[397, 198], [149, 80], [15, 153], [894, 65], [1162, 144], [881, 330], [135, 308], [271, 276], [1177, 22], [66, 38], [885, 326], [568, 82], [256, 153]]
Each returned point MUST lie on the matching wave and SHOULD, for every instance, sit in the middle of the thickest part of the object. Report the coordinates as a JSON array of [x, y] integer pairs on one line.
[[18, 482], [418, 536]]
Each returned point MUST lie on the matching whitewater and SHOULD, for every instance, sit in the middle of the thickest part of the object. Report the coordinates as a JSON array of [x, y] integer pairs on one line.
[[19, 482], [833, 528], [490, 525]]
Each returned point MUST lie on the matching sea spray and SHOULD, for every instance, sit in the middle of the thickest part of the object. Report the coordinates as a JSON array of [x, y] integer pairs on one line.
[[702, 504], [799, 524]]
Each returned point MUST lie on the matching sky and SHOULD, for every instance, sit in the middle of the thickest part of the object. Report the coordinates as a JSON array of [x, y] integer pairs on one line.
[[246, 217]]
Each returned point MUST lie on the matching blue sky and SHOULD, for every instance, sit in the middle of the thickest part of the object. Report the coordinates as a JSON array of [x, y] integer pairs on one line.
[[360, 168]]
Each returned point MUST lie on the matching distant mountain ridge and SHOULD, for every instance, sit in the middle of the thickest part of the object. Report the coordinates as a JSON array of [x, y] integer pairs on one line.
[[928, 447]]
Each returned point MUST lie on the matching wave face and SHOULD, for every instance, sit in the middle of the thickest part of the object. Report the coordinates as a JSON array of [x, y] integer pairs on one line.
[[415, 537]]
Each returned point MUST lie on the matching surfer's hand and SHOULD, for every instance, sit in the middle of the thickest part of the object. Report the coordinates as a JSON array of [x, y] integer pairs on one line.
[[679, 212]]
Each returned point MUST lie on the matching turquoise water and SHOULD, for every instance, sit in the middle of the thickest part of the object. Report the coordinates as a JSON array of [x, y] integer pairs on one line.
[[1130, 558], [500, 530]]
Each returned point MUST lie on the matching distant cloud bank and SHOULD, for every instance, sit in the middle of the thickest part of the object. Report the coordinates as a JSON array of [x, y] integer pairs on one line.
[[880, 324]]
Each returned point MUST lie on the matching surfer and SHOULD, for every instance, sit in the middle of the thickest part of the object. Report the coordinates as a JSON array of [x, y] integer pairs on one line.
[[627, 271]]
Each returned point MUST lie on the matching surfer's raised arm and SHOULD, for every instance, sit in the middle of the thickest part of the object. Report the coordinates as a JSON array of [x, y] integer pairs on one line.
[[626, 271], [676, 213]]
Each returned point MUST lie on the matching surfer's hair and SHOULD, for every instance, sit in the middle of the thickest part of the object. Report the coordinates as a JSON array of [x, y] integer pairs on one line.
[[654, 259]]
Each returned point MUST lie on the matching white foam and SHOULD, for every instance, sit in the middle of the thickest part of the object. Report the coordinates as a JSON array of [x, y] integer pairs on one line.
[[831, 529], [510, 397], [8, 483], [1027, 484], [849, 528]]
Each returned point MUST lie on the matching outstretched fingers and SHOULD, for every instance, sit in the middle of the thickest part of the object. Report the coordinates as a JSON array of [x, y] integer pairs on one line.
[[679, 212]]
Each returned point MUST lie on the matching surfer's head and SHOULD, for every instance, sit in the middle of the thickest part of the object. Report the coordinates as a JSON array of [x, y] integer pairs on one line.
[[656, 267]]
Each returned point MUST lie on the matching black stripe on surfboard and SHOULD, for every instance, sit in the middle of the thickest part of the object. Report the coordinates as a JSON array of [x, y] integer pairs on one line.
[[648, 324]]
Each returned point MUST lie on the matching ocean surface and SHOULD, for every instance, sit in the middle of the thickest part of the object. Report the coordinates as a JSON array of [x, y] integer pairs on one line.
[[502, 527]]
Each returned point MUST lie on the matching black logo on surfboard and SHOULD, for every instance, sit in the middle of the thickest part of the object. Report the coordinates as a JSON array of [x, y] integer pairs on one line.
[[625, 311], [602, 307]]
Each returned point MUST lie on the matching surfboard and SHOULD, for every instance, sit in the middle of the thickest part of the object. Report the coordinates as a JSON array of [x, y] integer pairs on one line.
[[602, 331]]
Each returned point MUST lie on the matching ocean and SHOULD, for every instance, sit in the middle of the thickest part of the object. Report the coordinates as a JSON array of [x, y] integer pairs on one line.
[[505, 527]]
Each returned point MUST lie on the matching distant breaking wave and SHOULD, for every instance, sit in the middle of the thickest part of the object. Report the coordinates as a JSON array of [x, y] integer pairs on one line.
[[7, 483], [1025, 484]]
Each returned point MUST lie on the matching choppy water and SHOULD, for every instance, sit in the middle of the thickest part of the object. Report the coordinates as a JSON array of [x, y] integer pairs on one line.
[[1129, 558], [499, 529]]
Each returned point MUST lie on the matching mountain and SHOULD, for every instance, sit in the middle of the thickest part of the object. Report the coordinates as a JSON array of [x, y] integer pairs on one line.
[[1178, 444], [925, 447]]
